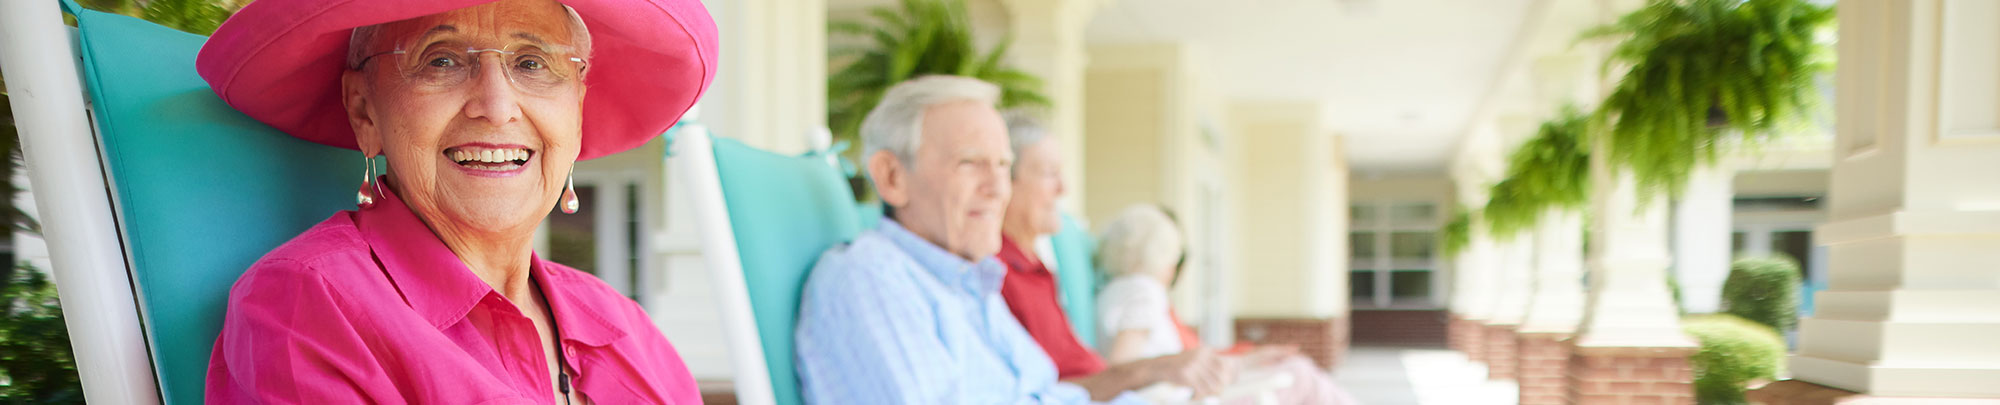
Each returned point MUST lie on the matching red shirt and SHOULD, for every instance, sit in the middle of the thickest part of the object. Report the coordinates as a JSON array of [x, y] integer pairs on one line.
[[369, 307], [1031, 293]]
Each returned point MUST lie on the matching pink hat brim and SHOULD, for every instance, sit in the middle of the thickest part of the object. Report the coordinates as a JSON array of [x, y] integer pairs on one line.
[[280, 61]]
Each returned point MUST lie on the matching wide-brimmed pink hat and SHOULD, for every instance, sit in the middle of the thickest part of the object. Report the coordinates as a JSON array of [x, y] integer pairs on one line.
[[280, 62]]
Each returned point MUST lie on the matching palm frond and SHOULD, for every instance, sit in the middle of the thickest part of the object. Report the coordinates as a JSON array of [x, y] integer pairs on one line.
[[910, 39]]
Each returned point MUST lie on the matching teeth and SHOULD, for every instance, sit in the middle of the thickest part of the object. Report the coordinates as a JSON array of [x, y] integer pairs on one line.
[[489, 155]]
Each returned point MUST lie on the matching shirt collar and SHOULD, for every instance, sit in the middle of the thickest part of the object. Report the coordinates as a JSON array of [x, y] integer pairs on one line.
[[441, 289], [1027, 260], [977, 278]]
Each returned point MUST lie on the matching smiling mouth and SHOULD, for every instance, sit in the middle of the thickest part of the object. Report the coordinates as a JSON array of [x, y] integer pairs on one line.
[[489, 159]]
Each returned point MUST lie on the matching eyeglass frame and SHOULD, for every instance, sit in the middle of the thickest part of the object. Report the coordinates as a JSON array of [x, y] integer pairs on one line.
[[582, 64]]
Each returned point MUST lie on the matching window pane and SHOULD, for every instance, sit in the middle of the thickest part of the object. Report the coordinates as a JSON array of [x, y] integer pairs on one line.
[[1362, 244], [1362, 215], [1413, 214], [1361, 285], [573, 238], [1410, 287], [1412, 245], [1795, 244]]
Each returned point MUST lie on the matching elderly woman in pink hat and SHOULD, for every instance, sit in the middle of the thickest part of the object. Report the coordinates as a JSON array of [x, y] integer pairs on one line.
[[430, 292]]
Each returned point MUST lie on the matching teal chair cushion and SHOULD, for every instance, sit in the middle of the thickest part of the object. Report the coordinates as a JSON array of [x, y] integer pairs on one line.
[[202, 191], [1076, 269], [785, 211], [870, 214]]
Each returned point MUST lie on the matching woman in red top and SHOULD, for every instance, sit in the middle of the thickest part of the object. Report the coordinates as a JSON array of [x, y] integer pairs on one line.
[[1030, 286]]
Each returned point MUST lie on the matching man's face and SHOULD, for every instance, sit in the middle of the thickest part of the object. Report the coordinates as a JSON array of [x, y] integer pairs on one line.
[[1038, 184], [956, 189], [478, 140]]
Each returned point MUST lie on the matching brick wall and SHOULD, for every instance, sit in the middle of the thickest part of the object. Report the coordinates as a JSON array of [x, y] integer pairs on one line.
[[1471, 338], [1500, 352], [1398, 327], [1631, 376], [1323, 340], [1544, 368]]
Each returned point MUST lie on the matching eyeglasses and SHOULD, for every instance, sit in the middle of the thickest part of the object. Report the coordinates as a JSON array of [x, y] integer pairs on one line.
[[531, 70]]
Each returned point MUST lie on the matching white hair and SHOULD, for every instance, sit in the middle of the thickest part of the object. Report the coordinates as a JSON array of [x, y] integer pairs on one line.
[[359, 41], [1024, 130], [896, 124], [1141, 239]]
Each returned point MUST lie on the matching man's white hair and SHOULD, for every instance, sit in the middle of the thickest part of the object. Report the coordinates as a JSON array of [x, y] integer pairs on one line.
[[896, 124], [1024, 129], [1141, 239], [360, 41]]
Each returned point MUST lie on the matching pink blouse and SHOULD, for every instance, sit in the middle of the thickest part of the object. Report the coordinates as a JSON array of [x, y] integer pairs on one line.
[[369, 307]]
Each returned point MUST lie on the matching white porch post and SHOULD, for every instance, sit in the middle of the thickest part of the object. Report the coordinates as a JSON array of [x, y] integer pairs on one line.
[[1557, 306], [1631, 330], [37, 54], [1049, 43], [771, 91], [1702, 225], [1629, 305], [1914, 231]]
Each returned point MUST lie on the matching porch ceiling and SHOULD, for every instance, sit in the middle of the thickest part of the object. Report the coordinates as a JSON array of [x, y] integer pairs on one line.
[[1401, 79]]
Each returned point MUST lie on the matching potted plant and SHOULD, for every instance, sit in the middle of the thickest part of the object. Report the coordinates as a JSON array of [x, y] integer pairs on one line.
[[1704, 73], [911, 39]]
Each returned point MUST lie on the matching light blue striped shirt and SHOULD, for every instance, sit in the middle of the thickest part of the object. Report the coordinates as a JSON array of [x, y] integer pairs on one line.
[[894, 319]]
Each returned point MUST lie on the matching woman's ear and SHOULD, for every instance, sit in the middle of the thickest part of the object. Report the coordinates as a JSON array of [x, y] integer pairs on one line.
[[354, 96]]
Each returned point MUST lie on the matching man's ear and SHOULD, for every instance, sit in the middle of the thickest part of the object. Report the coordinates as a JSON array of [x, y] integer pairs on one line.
[[354, 95], [887, 171]]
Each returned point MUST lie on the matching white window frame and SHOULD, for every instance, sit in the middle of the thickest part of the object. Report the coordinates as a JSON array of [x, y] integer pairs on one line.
[[1384, 265]]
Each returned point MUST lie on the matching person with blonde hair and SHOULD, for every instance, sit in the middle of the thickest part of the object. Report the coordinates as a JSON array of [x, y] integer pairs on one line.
[[1141, 250]]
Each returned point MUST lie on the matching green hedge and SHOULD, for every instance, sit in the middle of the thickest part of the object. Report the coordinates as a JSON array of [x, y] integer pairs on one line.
[[1763, 290], [1733, 352]]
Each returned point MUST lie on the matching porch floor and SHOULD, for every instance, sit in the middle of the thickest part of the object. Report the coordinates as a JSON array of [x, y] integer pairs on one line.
[[1379, 375]]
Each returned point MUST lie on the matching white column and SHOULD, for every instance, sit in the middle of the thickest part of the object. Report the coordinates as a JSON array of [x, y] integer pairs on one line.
[[1629, 305], [1914, 228], [1475, 270], [1559, 299], [1049, 43], [61, 157], [1702, 225], [771, 90], [1516, 280], [1479, 277]]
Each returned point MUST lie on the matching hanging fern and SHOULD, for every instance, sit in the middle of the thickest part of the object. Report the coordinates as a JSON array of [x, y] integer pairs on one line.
[[1550, 170], [1457, 234], [915, 38], [1703, 71]]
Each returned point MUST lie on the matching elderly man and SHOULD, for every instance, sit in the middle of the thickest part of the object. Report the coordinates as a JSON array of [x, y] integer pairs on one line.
[[910, 312]]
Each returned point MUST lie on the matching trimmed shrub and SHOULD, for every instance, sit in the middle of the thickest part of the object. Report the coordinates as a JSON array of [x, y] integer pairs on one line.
[[1763, 290], [1733, 352]]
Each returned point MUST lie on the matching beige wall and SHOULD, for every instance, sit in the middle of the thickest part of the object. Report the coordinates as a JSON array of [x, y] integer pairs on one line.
[[1410, 187], [1782, 183], [1153, 137], [1290, 234]]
